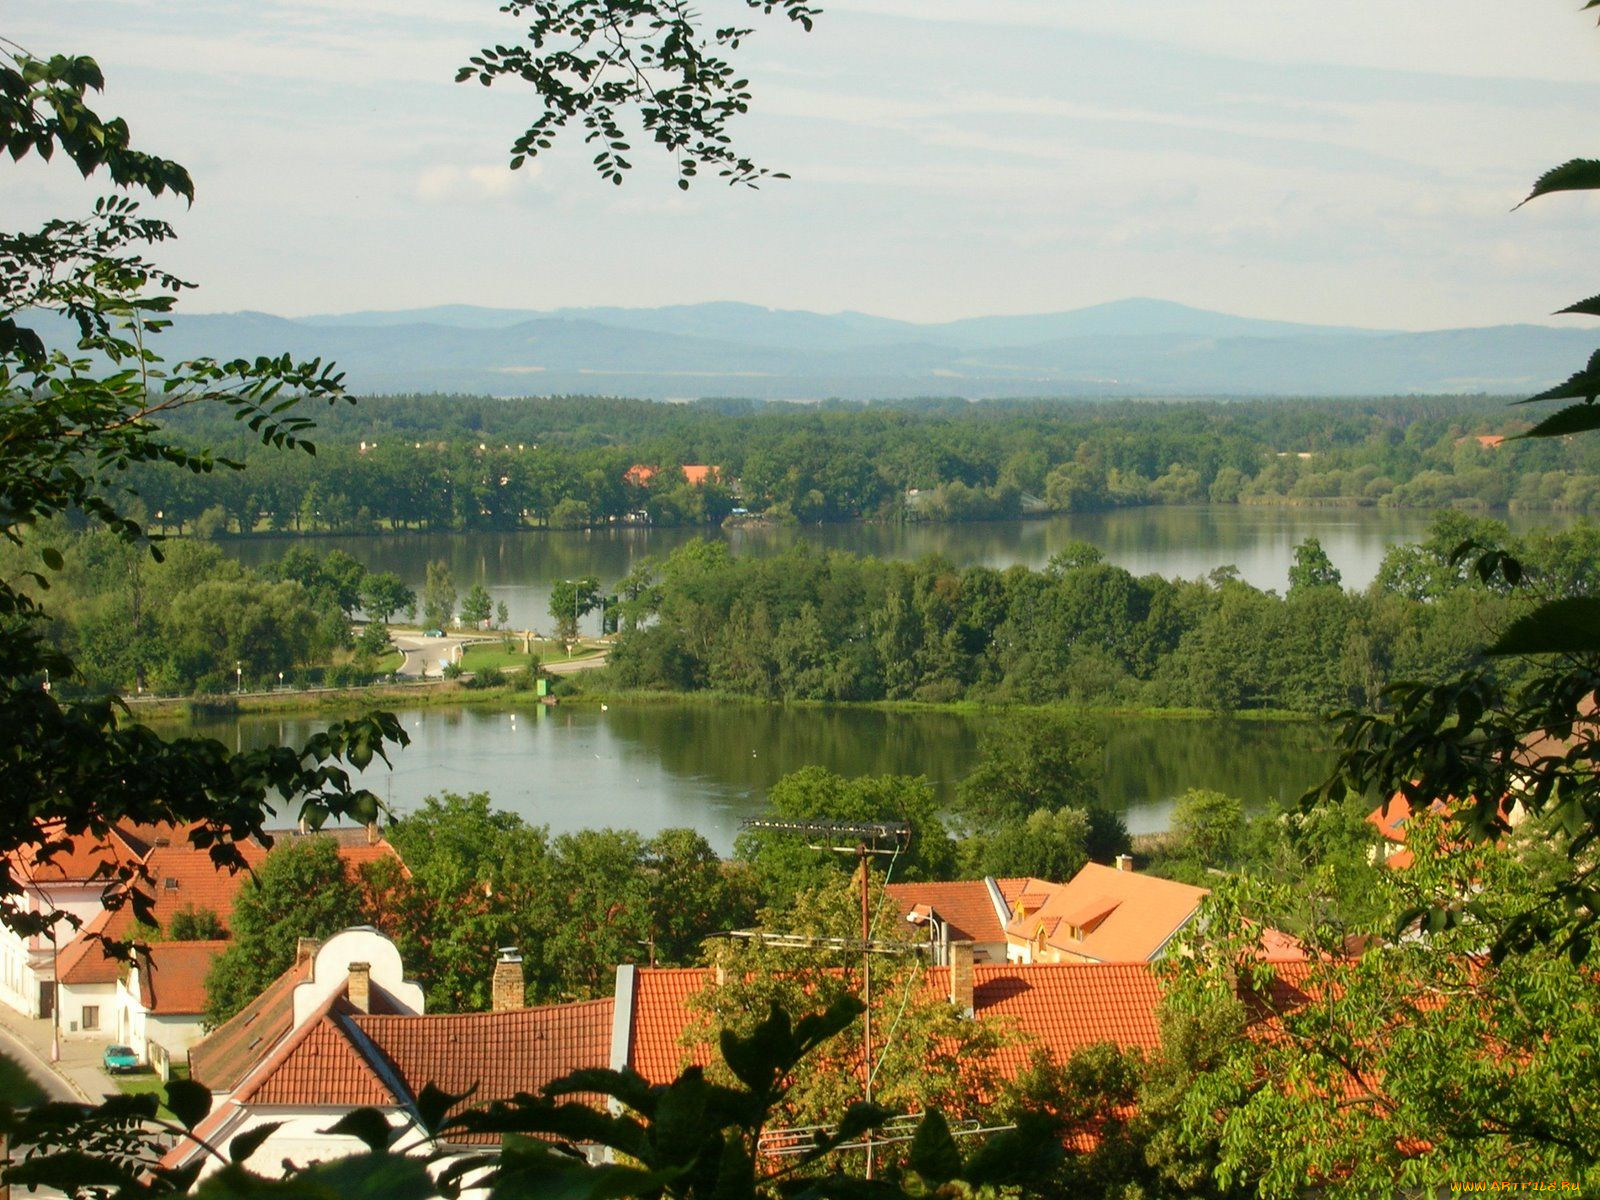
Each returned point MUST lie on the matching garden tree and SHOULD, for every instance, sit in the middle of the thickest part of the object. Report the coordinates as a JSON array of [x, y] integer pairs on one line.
[[1046, 844], [373, 642], [1028, 763], [383, 594], [68, 437], [785, 865], [476, 879], [570, 601], [925, 1053], [693, 893], [606, 910], [502, 614], [477, 605], [191, 924], [438, 596], [1422, 1061], [1312, 568], [302, 889], [1208, 827], [1091, 1101]]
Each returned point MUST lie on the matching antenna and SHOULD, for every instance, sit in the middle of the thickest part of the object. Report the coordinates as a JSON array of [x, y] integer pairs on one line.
[[863, 839]]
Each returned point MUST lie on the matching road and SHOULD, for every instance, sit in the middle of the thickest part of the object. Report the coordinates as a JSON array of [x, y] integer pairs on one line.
[[425, 655]]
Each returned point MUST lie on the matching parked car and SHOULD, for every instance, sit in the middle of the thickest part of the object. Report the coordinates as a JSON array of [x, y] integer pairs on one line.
[[120, 1058], [434, 633]]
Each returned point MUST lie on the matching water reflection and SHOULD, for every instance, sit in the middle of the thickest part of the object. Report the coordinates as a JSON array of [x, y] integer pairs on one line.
[[708, 766]]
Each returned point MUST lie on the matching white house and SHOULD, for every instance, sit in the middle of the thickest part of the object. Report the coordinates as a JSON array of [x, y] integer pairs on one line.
[[161, 1000], [343, 1029]]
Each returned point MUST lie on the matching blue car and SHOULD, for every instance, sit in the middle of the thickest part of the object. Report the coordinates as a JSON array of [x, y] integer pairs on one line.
[[120, 1058]]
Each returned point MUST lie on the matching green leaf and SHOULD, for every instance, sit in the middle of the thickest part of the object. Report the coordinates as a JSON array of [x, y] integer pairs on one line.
[[1570, 626], [247, 1143], [189, 1101], [51, 556], [934, 1155], [368, 1124], [433, 1103], [1576, 418], [1589, 307], [1577, 174]]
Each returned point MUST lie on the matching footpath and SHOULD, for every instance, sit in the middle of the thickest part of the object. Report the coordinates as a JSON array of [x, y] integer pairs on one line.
[[78, 1076]]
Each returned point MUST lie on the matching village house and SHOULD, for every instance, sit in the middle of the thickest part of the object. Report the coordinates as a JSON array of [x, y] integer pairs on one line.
[[95, 994], [343, 1029], [966, 910], [1101, 915]]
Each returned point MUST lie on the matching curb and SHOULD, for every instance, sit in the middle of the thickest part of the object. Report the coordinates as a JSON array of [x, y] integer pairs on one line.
[[49, 1068]]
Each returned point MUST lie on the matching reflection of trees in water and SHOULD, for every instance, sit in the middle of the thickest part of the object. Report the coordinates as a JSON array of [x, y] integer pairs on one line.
[[749, 747], [742, 749], [1151, 761]]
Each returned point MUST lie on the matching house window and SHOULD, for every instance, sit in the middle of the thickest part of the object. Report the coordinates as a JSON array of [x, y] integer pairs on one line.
[[90, 1017]]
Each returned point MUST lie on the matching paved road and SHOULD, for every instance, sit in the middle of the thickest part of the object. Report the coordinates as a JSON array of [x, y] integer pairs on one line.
[[425, 654]]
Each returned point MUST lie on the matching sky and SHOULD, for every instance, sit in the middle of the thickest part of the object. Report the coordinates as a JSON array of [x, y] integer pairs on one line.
[[1353, 162]]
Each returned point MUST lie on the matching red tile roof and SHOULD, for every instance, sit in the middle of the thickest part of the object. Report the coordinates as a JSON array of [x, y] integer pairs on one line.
[[63, 857], [320, 1064], [1060, 1007], [493, 1055], [964, 905], [172, 976], [1130, 915], [227, 1053], [84, 960]]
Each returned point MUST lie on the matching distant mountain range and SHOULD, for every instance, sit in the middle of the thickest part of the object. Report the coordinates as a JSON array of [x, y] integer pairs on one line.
[[1128, 347]]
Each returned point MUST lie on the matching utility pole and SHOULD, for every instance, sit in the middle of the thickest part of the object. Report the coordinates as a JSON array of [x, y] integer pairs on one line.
[[872, 837]]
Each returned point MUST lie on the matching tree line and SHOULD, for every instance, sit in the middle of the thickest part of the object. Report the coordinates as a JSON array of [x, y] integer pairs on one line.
[[808, 625], [460, 463]]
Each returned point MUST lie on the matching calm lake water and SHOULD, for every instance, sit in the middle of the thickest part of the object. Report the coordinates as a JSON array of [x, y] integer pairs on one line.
[[651, 767], [1186, 542]]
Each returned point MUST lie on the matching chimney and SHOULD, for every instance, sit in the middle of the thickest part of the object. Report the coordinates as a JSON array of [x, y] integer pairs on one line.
[[361, 987], [1125, 862], [372, 832], [961, 977], [305, 949], [506, 992]]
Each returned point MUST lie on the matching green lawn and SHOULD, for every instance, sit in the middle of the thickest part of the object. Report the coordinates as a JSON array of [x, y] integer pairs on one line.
[[17, 1086], [147, 1080], [484, 655]]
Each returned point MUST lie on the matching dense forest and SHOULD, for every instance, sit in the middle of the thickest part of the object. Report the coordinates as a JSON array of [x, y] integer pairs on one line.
[[809, 625], [429, 462]]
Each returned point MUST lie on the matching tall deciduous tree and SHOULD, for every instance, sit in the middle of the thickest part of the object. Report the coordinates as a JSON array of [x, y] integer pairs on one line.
[[383, 595], [438, 596], [303, 889], [1031, 763]]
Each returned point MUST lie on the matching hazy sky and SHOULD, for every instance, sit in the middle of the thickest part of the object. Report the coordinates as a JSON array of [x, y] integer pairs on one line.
[[1350, 162]]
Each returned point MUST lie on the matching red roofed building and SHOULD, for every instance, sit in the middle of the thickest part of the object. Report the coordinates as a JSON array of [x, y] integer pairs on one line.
[[970, 910], [79, 876], [161, 1001], [1103, 914], [695, 474], [343, 1029]]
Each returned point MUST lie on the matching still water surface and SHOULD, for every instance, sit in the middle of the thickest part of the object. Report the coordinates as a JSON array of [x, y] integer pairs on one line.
[[650, 767], [1187, 542]]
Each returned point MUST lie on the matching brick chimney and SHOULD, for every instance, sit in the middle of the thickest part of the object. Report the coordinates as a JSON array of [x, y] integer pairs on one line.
[[506, 991], [361, 986], [372, 832], [1125, 862], [961, 977], [305, 949]]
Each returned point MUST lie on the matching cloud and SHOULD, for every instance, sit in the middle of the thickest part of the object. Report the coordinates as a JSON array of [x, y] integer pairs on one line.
[[448, 183]]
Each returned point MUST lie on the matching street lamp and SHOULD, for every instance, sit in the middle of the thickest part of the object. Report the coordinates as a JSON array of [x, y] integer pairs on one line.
[[238, 676]]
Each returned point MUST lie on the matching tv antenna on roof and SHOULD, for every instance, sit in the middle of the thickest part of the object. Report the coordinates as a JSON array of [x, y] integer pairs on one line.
[[863, 839]]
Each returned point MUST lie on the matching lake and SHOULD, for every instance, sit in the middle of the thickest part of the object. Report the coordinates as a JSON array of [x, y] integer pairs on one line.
[[653, 766], [519, 568]]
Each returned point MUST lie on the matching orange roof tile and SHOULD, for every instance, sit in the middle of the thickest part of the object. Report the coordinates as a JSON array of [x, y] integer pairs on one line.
[[226, 1054], [320, 1064], [84, 960], [63, 857], [1146, 912], [964, 905], [493, 1055], [1060, 1007], [660, 1015], [172, 976]]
